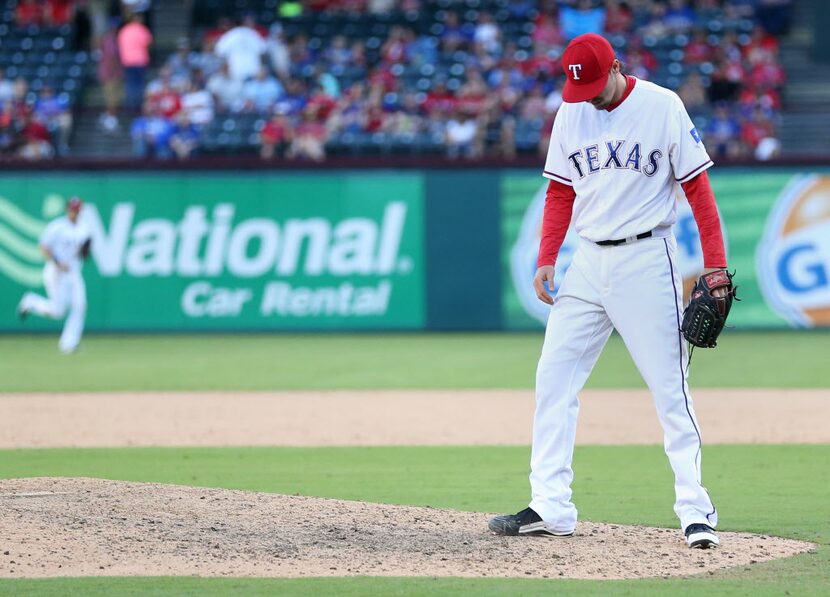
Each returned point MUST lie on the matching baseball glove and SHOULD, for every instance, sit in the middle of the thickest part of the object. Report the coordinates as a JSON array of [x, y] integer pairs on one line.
[[706, 314]]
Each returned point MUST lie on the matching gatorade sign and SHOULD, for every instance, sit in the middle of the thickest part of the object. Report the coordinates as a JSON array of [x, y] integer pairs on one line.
[[793, 258]]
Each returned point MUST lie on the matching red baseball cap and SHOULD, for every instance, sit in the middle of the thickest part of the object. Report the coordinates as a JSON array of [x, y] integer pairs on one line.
[[587, 63], [74, 203]]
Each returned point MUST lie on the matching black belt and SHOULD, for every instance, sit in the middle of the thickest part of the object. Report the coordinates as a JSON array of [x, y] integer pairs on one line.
[[622, 241]]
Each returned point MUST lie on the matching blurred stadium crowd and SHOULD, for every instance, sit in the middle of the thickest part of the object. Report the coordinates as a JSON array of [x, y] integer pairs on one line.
[[302, 80]]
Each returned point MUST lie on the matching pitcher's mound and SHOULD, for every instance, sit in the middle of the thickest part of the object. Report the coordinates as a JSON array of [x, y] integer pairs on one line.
[[85, 527]]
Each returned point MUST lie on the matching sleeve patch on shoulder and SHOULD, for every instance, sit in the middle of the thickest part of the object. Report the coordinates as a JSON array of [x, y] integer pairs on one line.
[[695, 135]]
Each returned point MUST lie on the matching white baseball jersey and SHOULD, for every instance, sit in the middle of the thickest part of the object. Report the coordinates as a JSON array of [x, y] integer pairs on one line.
[[65, 290], [64, 240], [625, 164]]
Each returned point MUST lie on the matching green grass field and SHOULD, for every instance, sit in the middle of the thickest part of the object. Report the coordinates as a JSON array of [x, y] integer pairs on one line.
[[779, 490], [349, 361]]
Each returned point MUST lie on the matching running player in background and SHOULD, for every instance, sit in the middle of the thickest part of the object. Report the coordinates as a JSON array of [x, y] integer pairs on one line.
[[620, 151], [65, 244]]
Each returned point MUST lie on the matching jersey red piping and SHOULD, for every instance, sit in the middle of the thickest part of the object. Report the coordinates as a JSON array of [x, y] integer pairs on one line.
[[704, 164], [558, 176]]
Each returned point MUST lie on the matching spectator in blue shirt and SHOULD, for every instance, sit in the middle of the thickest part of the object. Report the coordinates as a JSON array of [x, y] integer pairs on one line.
[[455, 35], [723, 133], [424, 50], [186, 137], [294, 100], [260, 93], [151, 136], [53, 111], [680, 16], [583, 17], [521, 9]]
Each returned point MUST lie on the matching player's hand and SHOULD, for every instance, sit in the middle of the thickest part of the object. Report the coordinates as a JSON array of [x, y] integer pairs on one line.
[[543, 274], [62, 266], [717, 292]]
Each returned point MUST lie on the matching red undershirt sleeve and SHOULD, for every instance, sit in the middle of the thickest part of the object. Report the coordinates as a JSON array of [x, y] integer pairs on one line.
[[559, 204], [702, 201]]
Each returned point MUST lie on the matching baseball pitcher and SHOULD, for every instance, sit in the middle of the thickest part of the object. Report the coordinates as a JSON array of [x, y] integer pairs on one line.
[[620, 151]]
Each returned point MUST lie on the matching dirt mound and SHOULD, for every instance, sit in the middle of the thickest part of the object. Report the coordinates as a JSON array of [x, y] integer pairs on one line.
[[86, 527]]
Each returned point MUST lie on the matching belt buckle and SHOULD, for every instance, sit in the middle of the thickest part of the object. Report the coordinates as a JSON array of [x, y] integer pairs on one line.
[[630, 239]]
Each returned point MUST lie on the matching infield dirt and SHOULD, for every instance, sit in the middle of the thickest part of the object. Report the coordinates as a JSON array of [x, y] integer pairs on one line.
[[91, 527], [370, 418]]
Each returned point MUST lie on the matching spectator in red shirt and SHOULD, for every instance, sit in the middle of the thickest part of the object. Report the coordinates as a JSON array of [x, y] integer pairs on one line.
[[758, 134], [161, 97], [321, 104], [375, 119], [767, 73], [472, 96], [59, 12], [768, 98], [765, 99], [618, 16], [733, 70], [382, 76], [36, 140], [274, 137], [761, 41], [321, 5], [309, 140], [395, 48], [8, 131], [166, 102], [547, 33], [540, 62], [440, 98], [28, 12], [698, 50], [755, 129], [644, 56]]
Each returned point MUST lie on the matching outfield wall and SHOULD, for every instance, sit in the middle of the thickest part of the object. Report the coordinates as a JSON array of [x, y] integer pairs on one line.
[[376, 249]]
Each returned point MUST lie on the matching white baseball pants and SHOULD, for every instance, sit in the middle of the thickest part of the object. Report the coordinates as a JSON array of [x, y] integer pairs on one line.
[[65, 291], [637, 289]]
